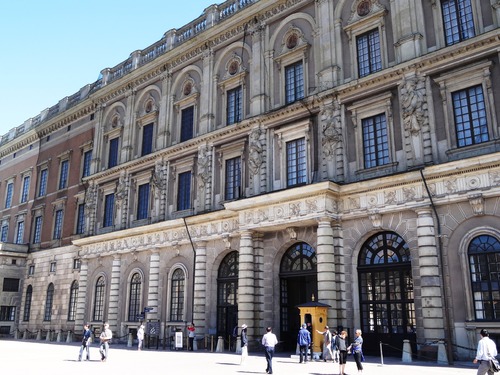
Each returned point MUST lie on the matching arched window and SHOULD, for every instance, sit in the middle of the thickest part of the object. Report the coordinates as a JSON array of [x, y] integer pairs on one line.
[[227, 294], [73, 297], [299, 257], [177, 295], [100, 287], [27, 303], [386, 290], [48, 303], [484, 263], [134, 307]]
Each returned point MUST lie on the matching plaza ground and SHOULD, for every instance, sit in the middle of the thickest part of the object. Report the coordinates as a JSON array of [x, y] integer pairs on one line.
[[40, 358]]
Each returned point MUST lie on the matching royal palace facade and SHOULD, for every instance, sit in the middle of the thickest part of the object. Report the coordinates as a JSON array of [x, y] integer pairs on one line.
[[268, 154]]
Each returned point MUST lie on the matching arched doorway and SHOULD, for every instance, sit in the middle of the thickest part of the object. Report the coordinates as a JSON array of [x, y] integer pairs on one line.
[[298, 283], [227, 295], [386, 294]]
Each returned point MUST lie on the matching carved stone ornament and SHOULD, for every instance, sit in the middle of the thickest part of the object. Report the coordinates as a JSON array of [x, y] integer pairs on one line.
[[477, 203], [376, 219], [292, 232]]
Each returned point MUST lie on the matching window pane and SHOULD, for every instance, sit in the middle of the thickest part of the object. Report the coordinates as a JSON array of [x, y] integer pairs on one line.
[[26, 186], [233, 178], [87, 160], [470, 116], [294, 82], [187, 122], [177, 293], [80, 220], [113, 153], [458, 20], [147, 139], [375, 141], [109, 210], [58, 225], [184, 191], [296, 162], [369, 55], [63, 177], [234, 105], [37, 235], [42, 188], [143, 202], [135, 298]]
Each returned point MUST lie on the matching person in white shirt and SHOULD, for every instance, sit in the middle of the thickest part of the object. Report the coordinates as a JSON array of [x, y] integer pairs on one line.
[[269, 341], [486, 349]]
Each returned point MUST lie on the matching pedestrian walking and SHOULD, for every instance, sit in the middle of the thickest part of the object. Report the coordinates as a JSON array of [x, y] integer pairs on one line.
[[140, 337], [342, 347], [86, 340], [269, 341], [244, 343], [303, 340], [191, 336], [334, 349], [105, 337], [327, 340], [357, 350], [486, 349]]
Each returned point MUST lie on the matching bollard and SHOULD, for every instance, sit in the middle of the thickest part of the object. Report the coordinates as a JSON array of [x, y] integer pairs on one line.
[[195, 344], [59, 336], [442, 357], [25, 335], [220, 345], [238, 345], [16, 334], [407, 353], [381, 355], [68, 337], [39, 334], [211, 344], [130, 339], [47, 338]]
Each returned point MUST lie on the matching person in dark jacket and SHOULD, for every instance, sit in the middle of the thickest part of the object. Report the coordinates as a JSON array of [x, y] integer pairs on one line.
[[86, 340], [244, 343], [304, 340], [342, 348]]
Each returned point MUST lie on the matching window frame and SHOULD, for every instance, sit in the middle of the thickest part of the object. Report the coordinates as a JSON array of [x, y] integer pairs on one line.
[[180, 308], [63, 174], [9, 193], [37, 229], [458, 20], [19, 232], [73, 301], [25, 188], [42, 183], [135, 292], [57, 231]]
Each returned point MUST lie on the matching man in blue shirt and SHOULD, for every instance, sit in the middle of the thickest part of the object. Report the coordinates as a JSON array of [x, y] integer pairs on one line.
[[304, 340]]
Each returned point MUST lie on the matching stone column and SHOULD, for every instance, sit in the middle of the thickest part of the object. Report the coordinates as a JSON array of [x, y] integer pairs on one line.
[[114, 295], [163, 116], [326, 264], [327, 71], [154, 277], [259, 282], [81, 315], [207, 93], [128, 132], [246, 277], [200, 289], [407, 18], [430, 279], [337, 314], [257, 86]]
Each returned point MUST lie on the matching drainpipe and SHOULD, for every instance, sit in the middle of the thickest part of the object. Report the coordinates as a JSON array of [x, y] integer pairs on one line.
[[194, 269], [441, 267]]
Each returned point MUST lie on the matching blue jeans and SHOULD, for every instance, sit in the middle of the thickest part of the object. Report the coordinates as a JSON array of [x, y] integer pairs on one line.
[[303, 353], [269, 358], [82, 348], [104, 350]]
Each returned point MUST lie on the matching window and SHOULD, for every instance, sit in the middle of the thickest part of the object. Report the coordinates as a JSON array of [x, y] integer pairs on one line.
[[187, 123], [53, 267], [100, 287], [296, 165], [233, 178], [80, 219], [109, 210], [177, 296], [87, 160], [20, 232], [227, 294], [73, 299], [5, 231], [26, 189], [147, 139], [113, 153], [37, 234], [294, 82], [8, 313], [42, 186], [58, 225], [184, 191], [143, 202], [134, 308], [369, 57], [27, 303], [77, 264], [47, 316], [470, 116], [63, 175], [234, 105], [375, 141], [10, 285], [8, 195], [458, 21], [31, 270], [484, 262]]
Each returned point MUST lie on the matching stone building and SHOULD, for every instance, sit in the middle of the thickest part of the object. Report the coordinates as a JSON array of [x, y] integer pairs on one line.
[[267, 154]]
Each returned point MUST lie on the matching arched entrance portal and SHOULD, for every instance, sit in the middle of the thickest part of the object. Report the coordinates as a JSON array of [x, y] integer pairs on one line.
[[298, 283], [227, 296], [386, 294]]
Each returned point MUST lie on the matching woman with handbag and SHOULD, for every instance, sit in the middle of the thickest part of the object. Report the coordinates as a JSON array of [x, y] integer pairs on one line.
[[486, 352]]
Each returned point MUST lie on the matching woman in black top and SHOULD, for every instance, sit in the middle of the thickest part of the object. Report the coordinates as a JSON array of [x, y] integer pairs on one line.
[[342, 348]]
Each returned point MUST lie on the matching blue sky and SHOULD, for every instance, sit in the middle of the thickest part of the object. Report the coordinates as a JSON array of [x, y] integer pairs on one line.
[[50, 49]]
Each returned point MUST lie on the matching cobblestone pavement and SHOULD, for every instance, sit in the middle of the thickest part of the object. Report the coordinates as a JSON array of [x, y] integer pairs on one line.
[[40, 358]]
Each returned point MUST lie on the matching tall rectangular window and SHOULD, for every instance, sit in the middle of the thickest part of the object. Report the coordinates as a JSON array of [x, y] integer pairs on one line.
[[10, 285], [375, 141], [7, 313], [296, 162], [109, 210], [58, 225], [20, 232], [470, 116], [26, 189], [147, 139], [184, 191], [233, 178], [234, 105], [63, 175], [87, 160], [8, 195], [113, 153], [143, 202], [80, 219], [42, 186], [37, 234], [458, 20], [369, 56], [187, 123], [294, 82], [5, 232]]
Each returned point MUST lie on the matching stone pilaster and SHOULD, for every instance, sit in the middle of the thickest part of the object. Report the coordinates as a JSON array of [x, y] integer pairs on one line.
[[163, 116], [257, 86], [337, 314], [81, 314], [326, 264], [200, 288], [430, 279], [207, 93], [154, 278], [246, 289], [114, 294], [259, 282]]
